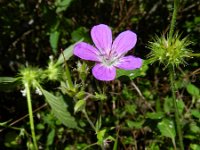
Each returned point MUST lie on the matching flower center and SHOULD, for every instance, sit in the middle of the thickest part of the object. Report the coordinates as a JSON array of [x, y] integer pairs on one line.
[[109, 59]]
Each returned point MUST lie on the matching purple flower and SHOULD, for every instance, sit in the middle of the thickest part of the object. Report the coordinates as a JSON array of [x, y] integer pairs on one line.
[[108, 55]]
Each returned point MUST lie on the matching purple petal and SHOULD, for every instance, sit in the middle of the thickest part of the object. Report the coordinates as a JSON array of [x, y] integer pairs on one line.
[[102, 38], [86, 51], [104, 73], [129, 63], [124, 42]]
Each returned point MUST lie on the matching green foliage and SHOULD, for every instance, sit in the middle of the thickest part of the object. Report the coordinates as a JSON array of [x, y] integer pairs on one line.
[[8, 83], [121, 115], [54, 37], [67, 53], [59, 108], [134, 73], [193, 90], [167, 128]]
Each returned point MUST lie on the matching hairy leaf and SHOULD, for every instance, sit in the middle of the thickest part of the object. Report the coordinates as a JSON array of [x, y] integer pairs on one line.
[[59, 108]]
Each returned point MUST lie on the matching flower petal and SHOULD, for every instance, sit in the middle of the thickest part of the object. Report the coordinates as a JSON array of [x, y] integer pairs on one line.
[[129, 63], [104, 73], [102, 38], [86, 51], [124, 42]]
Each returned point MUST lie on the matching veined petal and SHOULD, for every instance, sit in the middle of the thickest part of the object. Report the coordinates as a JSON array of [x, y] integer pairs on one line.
[[102, 38], [104, 73], [86, 51], [124, 42], [129, 63]]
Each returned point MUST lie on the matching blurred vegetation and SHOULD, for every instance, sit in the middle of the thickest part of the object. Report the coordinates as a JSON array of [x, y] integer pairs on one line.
[[137, 111]]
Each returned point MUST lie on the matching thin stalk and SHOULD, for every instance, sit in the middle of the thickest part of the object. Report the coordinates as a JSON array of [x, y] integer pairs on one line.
[[177, 116], [173, 21], [69, 79], [90, 122], [30, 111], [194, 54]]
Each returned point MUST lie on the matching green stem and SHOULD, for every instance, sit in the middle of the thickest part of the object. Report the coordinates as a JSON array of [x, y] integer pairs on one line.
[[30, 111], [90, 122], [173, 21], [69, 79], [194, 54], [177, 116]]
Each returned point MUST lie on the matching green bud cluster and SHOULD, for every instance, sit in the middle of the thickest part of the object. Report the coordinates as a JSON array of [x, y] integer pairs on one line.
[[53, 71], [169, 51], [30, 76]]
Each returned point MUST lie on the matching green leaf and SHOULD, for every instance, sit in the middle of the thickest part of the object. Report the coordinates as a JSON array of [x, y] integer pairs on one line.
[[79, 106], [50, 137], [100, 136], [135, 124], [167, 128], [155, 115], [62, 5], [194, 127], [59, 108], [8, 83], [181, 106], [168, 104], [134, 73], [79, 33], [68, 52], [195, 113], [54, 37], [192, 90], [195, 146]]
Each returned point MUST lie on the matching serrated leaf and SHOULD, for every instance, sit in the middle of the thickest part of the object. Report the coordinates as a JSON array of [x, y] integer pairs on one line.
[[53, 39], [192, 90], [8, 83], [59, 108], [167, 128], [134, 73], [68, 52]]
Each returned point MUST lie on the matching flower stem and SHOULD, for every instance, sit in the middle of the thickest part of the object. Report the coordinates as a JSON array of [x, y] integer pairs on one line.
[[173, 21], [177, 116], [90, 122], [30, 111], [69, 79]]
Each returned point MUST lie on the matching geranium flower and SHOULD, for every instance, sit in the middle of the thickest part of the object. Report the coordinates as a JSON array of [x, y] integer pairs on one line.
[[108, 55]]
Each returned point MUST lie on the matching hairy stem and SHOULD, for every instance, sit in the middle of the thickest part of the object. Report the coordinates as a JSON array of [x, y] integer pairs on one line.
[[173, 21], [30, 111], [177, 116]]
